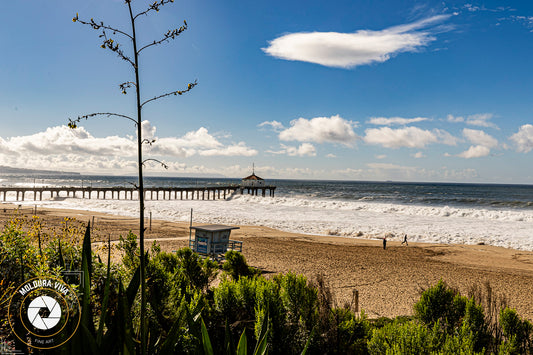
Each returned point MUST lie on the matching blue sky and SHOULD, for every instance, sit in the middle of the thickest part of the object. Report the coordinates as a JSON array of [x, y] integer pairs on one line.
[[353, 90]]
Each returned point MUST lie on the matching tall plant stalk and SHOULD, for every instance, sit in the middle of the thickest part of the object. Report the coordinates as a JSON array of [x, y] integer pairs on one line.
[[110, 44]]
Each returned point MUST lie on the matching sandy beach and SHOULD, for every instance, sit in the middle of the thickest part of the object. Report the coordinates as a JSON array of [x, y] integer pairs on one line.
[[388, 281]]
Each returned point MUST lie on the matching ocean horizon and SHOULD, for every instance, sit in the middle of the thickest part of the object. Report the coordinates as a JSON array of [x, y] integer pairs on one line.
[[446, 213]]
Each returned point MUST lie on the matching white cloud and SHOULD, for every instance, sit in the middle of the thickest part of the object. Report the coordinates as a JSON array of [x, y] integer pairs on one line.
[[384, 121], [481, 120], [332, 129], [482, 141], [63, 140], [330, 155], [275, 125], [455, 119], [381, 156], [476, 151], [77, 150], [305, 149], [478, 119], [480, 138], [419, 155], [523, 139], [445, 137], [147, 130], [348, 50], [239, 149], [411, 137]]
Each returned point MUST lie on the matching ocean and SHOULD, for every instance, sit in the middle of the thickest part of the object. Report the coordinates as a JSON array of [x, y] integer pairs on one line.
[[500, 215]]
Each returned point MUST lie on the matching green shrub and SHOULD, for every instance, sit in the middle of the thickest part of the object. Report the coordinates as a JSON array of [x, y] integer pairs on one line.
[[474, 320], [463, 342], [440, 303], [128, 245], [197, 272], [518, 333], [404, 338], [235, 266]]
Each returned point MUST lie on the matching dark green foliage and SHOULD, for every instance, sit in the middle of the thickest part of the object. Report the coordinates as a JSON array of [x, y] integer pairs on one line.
[[474, 320], [440, 303], [235, 265], [286, 314], [404, 338], [518, 333], [128, 246], [197, 272]]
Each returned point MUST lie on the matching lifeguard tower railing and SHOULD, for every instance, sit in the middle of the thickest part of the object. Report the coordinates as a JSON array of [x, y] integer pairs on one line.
[[213, 241]]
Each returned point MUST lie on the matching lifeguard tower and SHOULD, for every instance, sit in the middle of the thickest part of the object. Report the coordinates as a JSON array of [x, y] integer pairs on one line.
[[213, 240]]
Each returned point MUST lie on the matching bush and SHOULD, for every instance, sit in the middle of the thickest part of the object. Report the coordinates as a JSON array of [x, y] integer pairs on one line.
[[440, 304], [404, 338], [518, 333], [235, 266]]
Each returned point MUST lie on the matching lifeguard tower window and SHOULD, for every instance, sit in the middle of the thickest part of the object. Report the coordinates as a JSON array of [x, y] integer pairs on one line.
[[213, 240]]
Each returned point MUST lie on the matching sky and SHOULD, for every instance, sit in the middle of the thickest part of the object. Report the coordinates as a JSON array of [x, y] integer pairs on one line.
[[436, 91]]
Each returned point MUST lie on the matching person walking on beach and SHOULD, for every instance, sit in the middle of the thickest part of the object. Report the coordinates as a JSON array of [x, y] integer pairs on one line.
[[384, 243], [405, 240]]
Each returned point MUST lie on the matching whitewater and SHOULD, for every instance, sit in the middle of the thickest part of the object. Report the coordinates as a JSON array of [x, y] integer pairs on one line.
[[336, 215]]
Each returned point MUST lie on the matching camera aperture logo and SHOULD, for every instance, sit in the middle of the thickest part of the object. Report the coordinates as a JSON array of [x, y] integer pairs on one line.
[[44, 312]]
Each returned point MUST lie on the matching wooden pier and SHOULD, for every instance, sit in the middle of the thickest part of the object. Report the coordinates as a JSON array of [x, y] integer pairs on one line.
[[130, 193]]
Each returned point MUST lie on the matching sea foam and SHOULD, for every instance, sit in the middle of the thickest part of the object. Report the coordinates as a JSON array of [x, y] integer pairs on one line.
[[357, 218]]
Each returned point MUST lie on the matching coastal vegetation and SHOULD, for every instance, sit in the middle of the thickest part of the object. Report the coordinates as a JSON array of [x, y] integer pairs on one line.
[[195, 305]]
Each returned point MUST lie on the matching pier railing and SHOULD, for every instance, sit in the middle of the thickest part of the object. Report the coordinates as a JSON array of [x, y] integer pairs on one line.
[[150, 193]]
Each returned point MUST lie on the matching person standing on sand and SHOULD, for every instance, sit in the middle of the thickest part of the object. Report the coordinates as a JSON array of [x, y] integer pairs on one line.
[[384, 243], [405, 240]]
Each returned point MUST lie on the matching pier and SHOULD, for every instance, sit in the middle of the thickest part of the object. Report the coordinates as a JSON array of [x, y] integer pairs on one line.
[[130, 193]]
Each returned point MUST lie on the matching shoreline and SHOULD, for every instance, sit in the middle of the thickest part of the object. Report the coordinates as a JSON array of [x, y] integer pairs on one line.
[[388, 281]]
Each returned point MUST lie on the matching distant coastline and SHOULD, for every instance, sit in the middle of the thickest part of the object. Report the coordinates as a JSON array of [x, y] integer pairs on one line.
[[7, 170]]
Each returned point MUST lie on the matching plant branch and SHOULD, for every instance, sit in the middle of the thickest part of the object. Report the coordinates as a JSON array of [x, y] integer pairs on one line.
[[171, 34], [149, 141], [108, 42], [127, 85], [177, 92], [155, 6], [73, 123], [101, 25], [158, 161]]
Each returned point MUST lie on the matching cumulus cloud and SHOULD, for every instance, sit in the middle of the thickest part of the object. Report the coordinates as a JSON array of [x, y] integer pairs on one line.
[[348, 50], [148, 131], [77, 149], [480, 138], [275, 125], [239, 149], [63, 140], [389, 121], [478, 119], [332, 129], [476, 151], [305, 149], [419, 155], [523, 139], [445, 137], [482, 141], [411, 137]]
